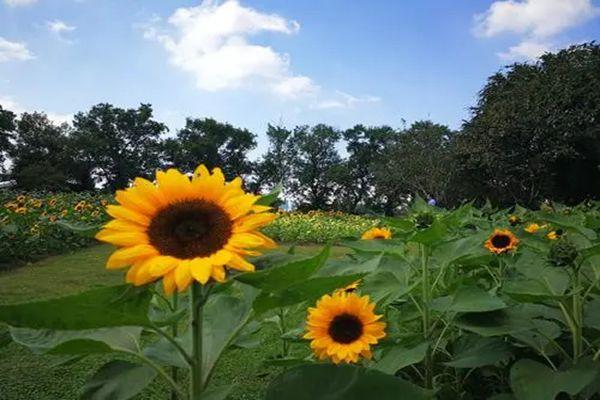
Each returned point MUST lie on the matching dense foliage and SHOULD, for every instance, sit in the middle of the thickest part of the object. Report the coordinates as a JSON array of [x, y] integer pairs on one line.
[[534, 134], [464, 318]]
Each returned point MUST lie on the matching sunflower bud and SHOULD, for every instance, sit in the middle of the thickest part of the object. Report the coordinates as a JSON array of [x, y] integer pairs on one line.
[[424, 220], [563, 252]]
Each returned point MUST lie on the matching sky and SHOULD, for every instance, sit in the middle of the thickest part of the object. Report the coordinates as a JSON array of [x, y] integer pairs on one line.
[[255, 62]]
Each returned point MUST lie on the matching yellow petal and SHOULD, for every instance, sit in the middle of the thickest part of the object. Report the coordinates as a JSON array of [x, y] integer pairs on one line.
[[257, 208], [129, 255], [148, 190], [173, 184], [243, 240], [124, 226], [240, 205], [240, 264], [252, 221], [131, 199], [143, 275], [183, 276], [268, 243], [218, 273], [132, 272], [221, 257], [169, 283], [162, 265], [201, 269], [122, 238], [121, 212]]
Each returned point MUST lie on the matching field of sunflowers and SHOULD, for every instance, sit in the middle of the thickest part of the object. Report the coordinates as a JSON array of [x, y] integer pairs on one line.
[[470, 303]]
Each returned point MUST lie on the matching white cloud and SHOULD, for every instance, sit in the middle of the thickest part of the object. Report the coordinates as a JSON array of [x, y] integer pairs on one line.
[[18, 3], [345, 100], [9, 103], [57, 26], [10, 51], [211, 41], [536, 21], [526, 50]]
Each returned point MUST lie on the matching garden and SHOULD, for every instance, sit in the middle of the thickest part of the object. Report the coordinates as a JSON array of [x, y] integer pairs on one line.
[[474, 302]]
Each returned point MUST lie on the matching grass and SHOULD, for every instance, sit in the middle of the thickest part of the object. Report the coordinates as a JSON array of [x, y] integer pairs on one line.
[[24, 375]]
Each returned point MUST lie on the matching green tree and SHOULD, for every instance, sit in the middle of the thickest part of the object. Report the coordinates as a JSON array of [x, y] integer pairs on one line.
[[275, 165], [114, 145], [39, 157], [7, 128], [315, 157], [418, 162], [212, 143], [535, 132], [355, 176]]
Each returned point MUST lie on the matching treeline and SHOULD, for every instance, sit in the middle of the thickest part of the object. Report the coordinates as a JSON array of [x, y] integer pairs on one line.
[[533, 134]]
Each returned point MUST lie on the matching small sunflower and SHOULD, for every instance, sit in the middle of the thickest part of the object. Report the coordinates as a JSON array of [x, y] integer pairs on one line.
[[514, 220], [183, 230], [532, 228], [343, 327], [353, 287], [554, 235], [377, 233], [501, 241]]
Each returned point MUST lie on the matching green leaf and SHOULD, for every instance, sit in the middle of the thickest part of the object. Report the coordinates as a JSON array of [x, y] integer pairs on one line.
[[539, 338], [286, 362], [343, 267], [112, 306], [531, 380], [434, 233], [308, 290], [591, 314], [217, 393], [474, 352], [102, 340], [348, 382], [224, 315], [471, 299], [165, 353], [493, 323], [391, 246], [399, 357], [271, 197], [82, 229], [385, 287], [118, 380], [276, 278]]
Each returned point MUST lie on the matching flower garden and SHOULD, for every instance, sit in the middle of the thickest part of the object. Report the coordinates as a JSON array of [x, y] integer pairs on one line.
[[469, 303]]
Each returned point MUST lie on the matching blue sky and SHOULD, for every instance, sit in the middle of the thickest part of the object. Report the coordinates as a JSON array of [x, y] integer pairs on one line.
[[253, 62]]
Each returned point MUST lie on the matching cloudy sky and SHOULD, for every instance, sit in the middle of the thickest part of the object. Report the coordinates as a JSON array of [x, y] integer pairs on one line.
[[253, 62]]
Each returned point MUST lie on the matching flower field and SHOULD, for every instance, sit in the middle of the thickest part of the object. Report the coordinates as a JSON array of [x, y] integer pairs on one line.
[[470, 303]]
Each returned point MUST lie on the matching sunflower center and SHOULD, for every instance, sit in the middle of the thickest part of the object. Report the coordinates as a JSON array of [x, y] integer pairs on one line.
[[501, 241], [345, 328], [189, 229]]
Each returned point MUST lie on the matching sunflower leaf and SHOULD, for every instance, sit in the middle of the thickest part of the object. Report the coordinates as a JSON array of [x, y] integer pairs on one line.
[[118, 380]]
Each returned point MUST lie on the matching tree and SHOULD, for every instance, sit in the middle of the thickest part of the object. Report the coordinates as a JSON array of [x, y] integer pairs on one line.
[[315, 157], [355, 175], [39, 157], [418, 162], [535, 131], [213, 144], [114, 145], [7, 128], [275, 165]]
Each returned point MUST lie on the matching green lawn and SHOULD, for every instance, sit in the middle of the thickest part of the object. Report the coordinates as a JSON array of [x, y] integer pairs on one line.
[[24, 375]]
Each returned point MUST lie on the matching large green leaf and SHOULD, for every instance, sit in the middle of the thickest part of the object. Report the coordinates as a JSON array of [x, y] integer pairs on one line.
[[308, 290], [102, 340], [591, 314], [121, 305], [118, 380], [344, 267], [470, 299], [434, 233], [165, 353], [531, 380], [277, 278], [399, 357], [271, 197], [347, 382], [541, 336], [494, 323], [474, 351], [225, 314]]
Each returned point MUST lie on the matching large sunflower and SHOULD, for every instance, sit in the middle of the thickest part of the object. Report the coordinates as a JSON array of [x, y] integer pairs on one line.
[[501, 241], [377, 233], [343, 327], [183, 230]]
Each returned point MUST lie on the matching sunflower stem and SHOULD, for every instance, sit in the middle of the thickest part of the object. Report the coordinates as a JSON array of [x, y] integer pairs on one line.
[[425, 299], [197, 300], [174, 329]]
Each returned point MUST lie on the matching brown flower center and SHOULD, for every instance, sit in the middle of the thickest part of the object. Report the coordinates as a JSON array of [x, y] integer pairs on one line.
[[501, 241], [191, 228], [345, 328]]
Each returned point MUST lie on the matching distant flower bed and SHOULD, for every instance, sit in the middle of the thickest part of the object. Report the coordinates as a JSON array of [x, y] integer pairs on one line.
[[318, 226], [34, 224]]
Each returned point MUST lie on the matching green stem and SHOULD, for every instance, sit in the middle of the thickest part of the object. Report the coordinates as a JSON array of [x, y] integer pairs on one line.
[[197, 300], [425, 300], [577, 318], [174, 332], [282, 328]]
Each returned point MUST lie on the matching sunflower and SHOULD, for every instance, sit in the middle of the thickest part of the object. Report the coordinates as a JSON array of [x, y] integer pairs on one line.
[[514, 220], [501, 241], [554, 235], [184, 230], [343, 327], [353, 287], [532, 228], [377, 233]]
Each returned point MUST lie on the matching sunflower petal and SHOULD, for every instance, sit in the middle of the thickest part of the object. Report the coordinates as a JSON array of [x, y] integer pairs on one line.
[[169, 283], [127, 214], [130, 255], [183, 276], [201, 269]]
